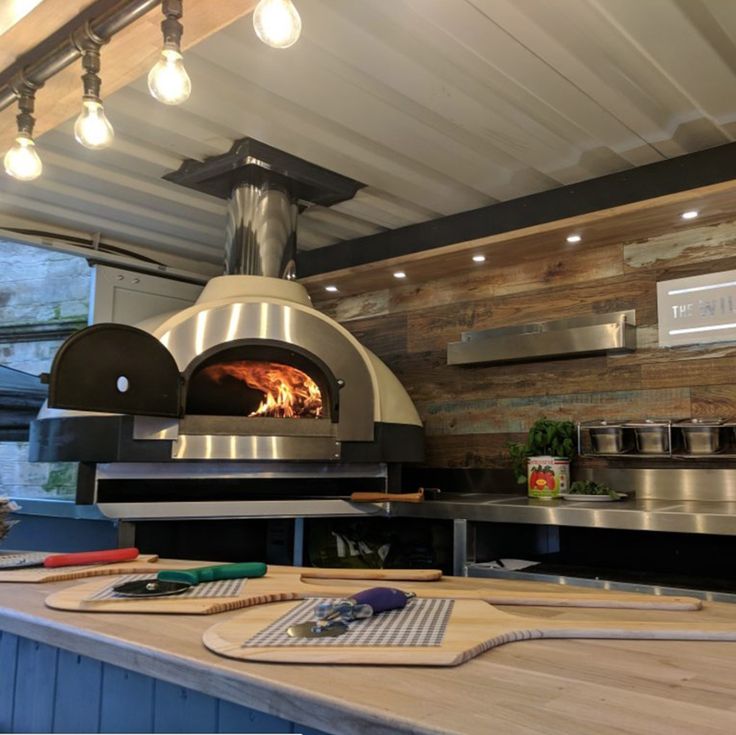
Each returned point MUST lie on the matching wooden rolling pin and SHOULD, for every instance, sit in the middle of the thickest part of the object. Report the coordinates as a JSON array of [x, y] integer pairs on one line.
[[416, 497]]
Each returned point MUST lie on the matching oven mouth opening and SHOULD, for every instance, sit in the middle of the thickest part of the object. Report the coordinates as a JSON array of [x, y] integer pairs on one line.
[[261, 383], [258, 388]]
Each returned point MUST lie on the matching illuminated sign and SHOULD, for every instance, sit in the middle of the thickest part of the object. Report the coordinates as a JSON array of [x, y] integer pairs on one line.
[[697, 310]]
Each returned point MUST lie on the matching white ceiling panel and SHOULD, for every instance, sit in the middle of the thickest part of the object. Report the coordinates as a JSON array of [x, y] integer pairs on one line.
[[438, 106]]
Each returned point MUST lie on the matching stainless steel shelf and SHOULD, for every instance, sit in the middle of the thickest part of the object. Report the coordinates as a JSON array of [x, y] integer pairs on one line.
[[224, 509], [709, 517], [660, 455], [590, 334]]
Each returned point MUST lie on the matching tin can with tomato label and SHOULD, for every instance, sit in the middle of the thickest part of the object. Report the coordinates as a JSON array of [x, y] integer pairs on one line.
[[547, 477]]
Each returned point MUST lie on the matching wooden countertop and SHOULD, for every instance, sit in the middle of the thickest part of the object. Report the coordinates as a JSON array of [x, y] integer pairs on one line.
[[553, 687]]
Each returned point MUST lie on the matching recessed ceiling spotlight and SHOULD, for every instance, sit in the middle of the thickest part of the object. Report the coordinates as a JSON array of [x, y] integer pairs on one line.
[[399, 274], [690, 214], [479, 258], [331, 289], [574, 238]]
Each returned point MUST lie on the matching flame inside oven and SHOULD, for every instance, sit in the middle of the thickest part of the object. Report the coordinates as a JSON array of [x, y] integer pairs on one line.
[[287, 391]]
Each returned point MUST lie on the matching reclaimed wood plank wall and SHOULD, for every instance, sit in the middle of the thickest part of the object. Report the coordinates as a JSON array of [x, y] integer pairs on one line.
[[470, 413]]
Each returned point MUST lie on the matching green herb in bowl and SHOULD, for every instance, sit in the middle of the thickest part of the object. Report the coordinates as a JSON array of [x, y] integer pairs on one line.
[[588, 487]]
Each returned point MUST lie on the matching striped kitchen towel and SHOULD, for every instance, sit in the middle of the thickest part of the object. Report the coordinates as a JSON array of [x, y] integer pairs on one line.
[[221, 588]]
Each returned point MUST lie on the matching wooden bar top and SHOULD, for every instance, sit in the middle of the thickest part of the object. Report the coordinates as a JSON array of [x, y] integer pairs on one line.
[[563, 687]]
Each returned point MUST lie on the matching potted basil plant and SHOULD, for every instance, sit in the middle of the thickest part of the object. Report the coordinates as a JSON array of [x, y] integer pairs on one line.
[[543, 461]]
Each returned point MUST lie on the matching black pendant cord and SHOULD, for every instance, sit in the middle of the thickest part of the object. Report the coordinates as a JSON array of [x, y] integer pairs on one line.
[[89, 44], [26, 106], [171, 27]]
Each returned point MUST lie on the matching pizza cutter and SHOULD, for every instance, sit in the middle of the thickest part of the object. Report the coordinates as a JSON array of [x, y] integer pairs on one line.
[[176, 581], [335, 615]]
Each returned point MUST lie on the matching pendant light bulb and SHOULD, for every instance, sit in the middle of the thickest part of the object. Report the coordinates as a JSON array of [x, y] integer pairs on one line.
[[92, 128], [277, 23], [168, 81], [22, 161]]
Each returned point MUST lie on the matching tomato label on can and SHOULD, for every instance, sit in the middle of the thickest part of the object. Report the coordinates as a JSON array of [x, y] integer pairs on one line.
[[547, 476]]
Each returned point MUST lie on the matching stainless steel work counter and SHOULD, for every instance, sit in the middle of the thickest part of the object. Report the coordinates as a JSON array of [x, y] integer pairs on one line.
[[708, 517]]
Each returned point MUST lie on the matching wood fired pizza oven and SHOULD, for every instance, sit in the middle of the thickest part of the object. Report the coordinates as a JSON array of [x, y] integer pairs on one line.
[[251, 373]]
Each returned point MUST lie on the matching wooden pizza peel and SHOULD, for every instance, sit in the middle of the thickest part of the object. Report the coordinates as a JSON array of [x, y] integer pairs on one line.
[[473, 627], [290, 583], [36, 575]]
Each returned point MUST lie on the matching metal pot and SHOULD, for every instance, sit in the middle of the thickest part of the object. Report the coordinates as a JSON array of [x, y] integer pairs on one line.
[[701, 436], [652, 436], [606, 437]]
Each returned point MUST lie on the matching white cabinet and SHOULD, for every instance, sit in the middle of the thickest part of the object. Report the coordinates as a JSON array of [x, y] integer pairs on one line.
[[126, 297]]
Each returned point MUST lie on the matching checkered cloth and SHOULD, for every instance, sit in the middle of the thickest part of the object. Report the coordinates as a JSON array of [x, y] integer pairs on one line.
[[221, 588], [22, 561], [420, 623]]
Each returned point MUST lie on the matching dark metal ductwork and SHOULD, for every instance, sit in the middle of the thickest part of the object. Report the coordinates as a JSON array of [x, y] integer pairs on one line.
[[261, 232], [265, 188]]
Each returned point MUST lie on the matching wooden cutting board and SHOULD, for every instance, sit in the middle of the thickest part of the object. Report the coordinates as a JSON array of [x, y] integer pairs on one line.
[[416, 575], [474, 627], [285, 583], [59, 574]]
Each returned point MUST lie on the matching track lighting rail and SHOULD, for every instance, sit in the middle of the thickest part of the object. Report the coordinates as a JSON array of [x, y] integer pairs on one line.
[[276, 22], [101, 21]]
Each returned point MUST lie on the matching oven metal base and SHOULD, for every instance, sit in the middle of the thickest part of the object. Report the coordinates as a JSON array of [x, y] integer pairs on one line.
[[221, 490], [221, 510], [118, 438]]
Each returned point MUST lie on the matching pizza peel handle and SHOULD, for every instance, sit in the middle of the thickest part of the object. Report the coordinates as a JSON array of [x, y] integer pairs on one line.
[[108, 556], [211, 574]]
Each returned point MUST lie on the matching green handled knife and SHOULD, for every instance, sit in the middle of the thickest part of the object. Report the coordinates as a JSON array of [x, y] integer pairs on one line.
[[176, 581]]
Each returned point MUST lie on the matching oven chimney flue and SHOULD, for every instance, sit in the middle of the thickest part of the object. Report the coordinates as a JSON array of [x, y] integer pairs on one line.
[[260, 237], [265, 189]]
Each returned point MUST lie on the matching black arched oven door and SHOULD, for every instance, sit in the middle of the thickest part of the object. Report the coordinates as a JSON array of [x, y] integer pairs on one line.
[[115, 368]]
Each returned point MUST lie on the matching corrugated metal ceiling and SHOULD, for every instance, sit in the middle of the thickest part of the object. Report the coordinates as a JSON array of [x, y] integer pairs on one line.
[[439, 106]]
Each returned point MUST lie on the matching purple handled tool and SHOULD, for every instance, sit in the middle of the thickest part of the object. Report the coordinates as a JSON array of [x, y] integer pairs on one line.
[[335, 616]]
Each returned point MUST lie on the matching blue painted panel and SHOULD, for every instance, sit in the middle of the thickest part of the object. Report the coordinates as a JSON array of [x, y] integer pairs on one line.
[[41, 533], [45, 689], [127, 701], [179, 710], [234, 718], [8, 655], [34, 687], [78, 693]]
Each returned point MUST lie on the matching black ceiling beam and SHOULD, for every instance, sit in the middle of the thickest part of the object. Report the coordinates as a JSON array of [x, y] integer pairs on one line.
[[674, 175]]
